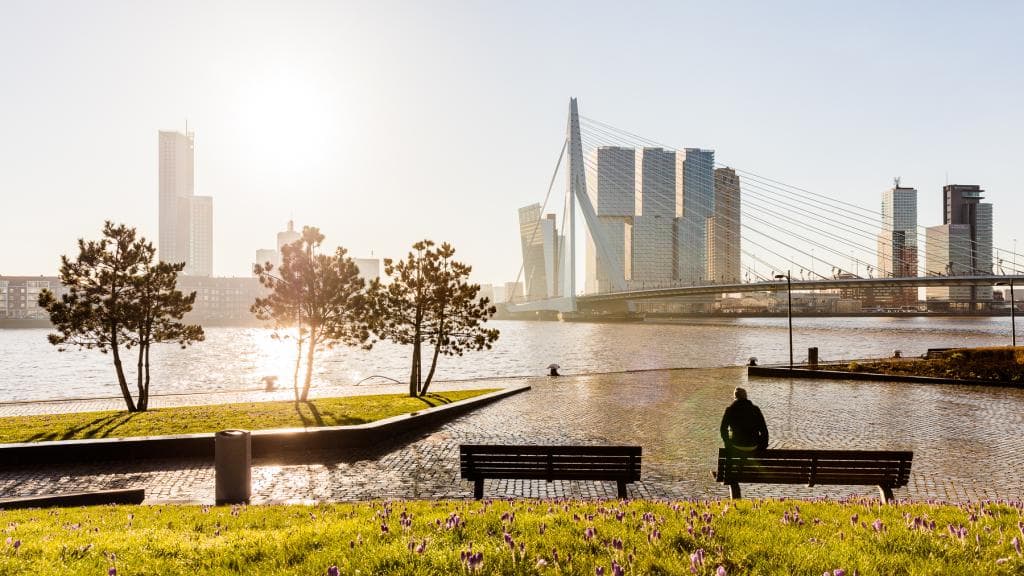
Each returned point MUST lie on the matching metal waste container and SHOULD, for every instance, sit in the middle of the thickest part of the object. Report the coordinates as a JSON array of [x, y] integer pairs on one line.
[[233, 466], [812, 357]]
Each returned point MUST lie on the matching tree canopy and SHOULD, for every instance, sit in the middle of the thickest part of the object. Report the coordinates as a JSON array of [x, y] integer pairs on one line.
[[319, 297], [430, 300], [117, 296]]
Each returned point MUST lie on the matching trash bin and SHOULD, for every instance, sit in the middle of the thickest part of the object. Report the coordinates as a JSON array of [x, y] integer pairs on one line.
[[812, 357], [233, 466]]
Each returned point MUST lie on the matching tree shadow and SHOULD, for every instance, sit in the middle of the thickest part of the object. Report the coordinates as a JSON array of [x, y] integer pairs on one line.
[[434, 399], [98, 428], [316, 418]]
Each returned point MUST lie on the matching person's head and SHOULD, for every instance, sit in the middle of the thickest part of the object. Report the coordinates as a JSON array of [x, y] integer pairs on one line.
[[739, 393]]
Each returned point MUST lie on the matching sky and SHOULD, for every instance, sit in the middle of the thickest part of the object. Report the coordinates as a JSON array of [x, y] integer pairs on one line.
[[386, 122]]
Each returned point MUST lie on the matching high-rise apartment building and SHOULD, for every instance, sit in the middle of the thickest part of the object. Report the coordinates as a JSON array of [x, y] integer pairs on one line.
[[185, 220], [897, 244], [653, 247], [612, 190], [696, 205], [652, 208], [962, 245], [723, 233], [540, 244], [200, 238], [369, 269]]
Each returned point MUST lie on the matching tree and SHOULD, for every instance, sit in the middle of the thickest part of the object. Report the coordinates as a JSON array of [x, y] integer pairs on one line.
[[320, 296], [155, 312], [430, 301], [116, 296]]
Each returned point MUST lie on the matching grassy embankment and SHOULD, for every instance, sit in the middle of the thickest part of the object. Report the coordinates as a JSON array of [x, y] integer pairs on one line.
[[985, 364], [520, 537], [344, 411]]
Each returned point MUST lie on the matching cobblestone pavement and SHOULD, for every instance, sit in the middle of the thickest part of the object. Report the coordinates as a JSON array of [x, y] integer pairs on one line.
[[966, 442]]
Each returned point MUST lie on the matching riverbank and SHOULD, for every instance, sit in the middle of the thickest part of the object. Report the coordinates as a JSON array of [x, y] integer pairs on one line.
[[520, 537], [988, 365]]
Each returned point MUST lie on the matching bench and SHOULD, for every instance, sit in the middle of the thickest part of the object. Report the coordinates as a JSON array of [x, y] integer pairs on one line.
[[620, 464], [885, 469], [75, 499]]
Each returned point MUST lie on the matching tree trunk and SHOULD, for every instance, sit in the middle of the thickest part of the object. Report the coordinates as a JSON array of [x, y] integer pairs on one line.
[[433, 366], [310, 351], [298, 362], [414, 376], [121, 381], [145, 405], [141, 404]]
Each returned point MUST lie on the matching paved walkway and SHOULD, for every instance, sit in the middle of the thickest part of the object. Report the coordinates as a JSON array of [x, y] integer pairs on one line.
[[966, 442]]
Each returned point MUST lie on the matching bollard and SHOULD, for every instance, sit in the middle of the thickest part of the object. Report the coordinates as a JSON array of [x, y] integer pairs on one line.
[[812, 357], [233, 466]]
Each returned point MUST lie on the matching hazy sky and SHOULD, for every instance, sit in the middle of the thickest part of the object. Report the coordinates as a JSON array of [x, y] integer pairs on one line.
[[386, 122]]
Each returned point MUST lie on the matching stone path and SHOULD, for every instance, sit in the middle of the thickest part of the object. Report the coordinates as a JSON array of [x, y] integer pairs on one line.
[[965, 441]]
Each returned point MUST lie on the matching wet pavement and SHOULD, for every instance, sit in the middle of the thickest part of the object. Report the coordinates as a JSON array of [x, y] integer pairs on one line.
[[966, 442]]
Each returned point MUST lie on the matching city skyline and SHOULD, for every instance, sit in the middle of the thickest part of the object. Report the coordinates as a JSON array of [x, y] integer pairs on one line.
[[298, 124]]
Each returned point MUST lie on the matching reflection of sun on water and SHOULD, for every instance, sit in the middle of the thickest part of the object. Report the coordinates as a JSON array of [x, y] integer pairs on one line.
[[273, 357]]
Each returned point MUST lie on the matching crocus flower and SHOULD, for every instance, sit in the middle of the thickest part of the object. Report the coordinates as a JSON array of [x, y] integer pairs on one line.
[[332, 570], [720, 571], [599, 571], [877, 525], [853, 520], [541, 563], [111, 571], [1016, 545], [839, 572]]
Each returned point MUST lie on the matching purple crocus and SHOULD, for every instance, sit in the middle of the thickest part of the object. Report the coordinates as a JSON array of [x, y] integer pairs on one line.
[[853, 520], [332, 570], [111, 571], [839, 572], [1016, 545], [720, 571], [599, 571], [878, 525]]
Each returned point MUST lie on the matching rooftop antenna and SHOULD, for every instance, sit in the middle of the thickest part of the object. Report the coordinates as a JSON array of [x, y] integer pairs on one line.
[[896, 181]]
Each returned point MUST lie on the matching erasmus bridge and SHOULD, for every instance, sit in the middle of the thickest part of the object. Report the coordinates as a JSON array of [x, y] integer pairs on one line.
[[654, 233]]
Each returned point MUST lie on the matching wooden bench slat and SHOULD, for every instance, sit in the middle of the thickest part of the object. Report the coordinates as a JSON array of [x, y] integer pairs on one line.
[[886, 469], [620, 464]]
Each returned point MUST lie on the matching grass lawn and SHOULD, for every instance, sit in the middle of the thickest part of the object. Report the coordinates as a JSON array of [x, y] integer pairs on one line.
[[210, 418], [520, 537]]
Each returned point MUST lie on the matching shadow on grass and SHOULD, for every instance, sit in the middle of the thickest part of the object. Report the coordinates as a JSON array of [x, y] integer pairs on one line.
[[434, 399], [101, 427]]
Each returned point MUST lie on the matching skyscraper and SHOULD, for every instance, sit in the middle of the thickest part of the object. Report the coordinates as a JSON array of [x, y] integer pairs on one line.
[[185, 220], [653, 246], [287, 236], [696, 205], [200, 238], [723, 234], [897, 244], [962, 245], [612, 190], [540, 244], [176, 182]]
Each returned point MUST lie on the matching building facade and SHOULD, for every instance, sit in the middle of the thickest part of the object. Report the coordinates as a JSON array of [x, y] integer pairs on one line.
[[652, 208], [185, 220], [723, 229], [19, 296], [962, 245], [369, 269], [897, 244]]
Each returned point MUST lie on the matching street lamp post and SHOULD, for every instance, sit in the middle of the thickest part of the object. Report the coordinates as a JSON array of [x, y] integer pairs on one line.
[[1013, 313], [789, 314]]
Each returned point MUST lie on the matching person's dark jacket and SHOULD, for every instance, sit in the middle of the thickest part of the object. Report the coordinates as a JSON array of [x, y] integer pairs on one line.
[[747, 424]]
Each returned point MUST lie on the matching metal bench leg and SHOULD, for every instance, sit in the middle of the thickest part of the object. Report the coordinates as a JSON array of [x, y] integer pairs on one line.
[[886, 493], [622, 488], [734, 491]]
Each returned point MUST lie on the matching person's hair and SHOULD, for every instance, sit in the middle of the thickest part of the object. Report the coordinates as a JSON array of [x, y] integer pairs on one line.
[[739, 393]]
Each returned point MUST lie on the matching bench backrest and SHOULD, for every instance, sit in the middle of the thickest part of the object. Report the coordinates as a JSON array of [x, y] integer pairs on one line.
[[551, 462], [849, 467]]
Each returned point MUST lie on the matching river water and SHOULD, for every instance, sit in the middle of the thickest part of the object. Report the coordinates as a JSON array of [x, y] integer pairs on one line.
[[238, 358]]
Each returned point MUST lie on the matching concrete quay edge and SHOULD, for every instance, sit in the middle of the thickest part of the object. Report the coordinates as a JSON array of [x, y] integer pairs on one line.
[[799, 372], [266, 444]]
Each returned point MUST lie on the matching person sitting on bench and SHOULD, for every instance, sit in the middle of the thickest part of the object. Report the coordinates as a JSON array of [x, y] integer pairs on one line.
[[743, 426]]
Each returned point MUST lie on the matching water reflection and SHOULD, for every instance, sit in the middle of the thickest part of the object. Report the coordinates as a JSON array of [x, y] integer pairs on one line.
[[237, 358]]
